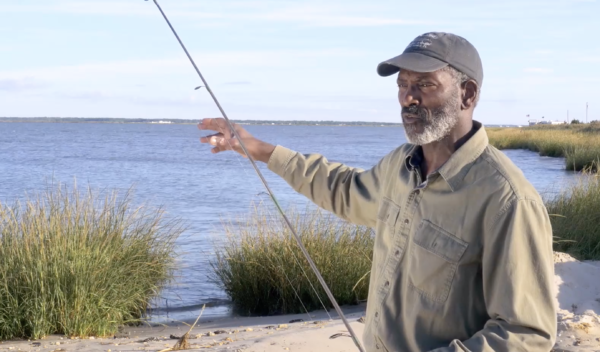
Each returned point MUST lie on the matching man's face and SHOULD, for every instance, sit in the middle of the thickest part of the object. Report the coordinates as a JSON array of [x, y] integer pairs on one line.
[[431, 105]]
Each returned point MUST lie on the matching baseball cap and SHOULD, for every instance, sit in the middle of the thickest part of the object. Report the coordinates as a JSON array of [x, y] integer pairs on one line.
[[434, 50]]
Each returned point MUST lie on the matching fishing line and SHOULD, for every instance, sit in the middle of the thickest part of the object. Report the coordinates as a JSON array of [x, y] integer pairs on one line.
[[270, 215], [243, 167], [293, 255], [264, 181]]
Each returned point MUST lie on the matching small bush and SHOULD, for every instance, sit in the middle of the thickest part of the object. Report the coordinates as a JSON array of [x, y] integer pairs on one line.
[[261, 268], [80, 264], [575, 217]]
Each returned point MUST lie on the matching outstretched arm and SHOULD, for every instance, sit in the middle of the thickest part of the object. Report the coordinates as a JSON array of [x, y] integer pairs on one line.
[[350, 193]]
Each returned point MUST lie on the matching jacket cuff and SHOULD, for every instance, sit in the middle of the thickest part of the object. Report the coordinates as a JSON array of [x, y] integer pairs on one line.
[[279, 160]]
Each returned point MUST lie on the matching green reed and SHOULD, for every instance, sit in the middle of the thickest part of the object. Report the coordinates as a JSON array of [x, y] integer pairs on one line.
[[79, 263], [575, 217], [260, 265]]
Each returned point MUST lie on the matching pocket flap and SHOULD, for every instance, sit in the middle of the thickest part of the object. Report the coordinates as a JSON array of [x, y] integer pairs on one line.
[[439, 242], [388, 212]]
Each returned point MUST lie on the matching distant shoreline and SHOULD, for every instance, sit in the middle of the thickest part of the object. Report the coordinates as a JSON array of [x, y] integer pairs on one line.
[[190, 122], [116, 120]]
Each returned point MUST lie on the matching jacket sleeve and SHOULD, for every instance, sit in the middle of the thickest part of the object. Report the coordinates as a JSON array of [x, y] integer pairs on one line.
[[518, 275], [350, 193]]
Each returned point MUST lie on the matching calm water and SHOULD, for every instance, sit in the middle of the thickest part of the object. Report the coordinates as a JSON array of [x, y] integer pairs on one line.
[[168, 166]]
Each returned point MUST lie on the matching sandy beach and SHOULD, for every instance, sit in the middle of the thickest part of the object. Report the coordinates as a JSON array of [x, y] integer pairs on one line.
[[577, 298]]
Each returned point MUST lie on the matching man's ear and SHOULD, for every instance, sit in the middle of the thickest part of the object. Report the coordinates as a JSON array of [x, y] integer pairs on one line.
[[469, 94]]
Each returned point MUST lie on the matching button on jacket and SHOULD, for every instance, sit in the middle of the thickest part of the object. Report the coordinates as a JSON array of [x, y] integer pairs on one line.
[[462, 259]]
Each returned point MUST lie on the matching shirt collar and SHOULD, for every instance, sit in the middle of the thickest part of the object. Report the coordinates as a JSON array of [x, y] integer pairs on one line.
[[455, 169], [414, 157]]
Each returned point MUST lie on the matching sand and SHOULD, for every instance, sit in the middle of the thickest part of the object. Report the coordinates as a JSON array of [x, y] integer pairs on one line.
[[226, 334], [578, 303], [577, 300]]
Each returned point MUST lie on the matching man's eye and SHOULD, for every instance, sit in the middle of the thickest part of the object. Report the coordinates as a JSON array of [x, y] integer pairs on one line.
[[425, 84]]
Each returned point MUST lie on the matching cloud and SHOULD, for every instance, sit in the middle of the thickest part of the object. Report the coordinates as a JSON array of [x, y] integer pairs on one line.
[[321, 16], [238, 83], [588, 58], [310, 13], [540, 70], [501, 100], [226, 59], [102, 96], [21, 84], [543, 52]]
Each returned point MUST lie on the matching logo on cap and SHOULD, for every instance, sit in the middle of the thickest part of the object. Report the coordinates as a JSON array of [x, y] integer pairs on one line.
[[422, 41]]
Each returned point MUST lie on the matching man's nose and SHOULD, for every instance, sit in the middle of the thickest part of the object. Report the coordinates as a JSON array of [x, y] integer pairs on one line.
[[409, 96]]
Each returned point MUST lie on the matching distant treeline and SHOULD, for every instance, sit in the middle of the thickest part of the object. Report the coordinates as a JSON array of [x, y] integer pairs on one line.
[[90, 120], [186, 121]]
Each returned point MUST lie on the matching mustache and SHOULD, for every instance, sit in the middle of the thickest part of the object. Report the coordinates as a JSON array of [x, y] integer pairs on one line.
[[420, 112]]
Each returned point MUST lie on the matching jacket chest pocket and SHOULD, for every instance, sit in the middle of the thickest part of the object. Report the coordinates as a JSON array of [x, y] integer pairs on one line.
[[387, 216], [388, 213], [434, 259]]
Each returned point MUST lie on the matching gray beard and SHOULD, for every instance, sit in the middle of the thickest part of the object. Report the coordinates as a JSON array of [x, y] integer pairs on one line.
[[437, 126]]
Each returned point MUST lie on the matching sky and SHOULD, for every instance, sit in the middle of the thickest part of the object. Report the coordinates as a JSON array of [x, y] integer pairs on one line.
[[287, 60]]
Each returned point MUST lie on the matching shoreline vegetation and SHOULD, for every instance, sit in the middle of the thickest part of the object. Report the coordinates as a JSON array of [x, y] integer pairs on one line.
[[261, 268], [575, 218], [79, 263], [579, 144]]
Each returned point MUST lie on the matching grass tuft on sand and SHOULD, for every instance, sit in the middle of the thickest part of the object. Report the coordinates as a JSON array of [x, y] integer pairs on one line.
[[261, 268], [79, 263]]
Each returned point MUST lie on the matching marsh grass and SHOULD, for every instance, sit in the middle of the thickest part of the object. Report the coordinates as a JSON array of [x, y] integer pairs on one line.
[[79, 263], [260, 265], [575, 217], [579, 145]]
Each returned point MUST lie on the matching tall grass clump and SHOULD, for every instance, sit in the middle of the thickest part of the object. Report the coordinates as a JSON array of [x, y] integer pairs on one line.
[[261, 267], [79, 263], [575, 217], [579, 145]]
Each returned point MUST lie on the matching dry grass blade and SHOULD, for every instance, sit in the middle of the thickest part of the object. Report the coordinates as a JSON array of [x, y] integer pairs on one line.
[[182, 343]]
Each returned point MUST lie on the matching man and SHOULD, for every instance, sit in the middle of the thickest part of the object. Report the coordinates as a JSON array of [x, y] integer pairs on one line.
[[463, 250]]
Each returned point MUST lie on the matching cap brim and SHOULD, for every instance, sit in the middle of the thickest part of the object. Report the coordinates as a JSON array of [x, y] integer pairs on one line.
[[410, 61]]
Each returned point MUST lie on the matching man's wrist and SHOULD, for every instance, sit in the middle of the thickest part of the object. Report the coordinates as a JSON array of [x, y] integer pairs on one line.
[[265, 152]]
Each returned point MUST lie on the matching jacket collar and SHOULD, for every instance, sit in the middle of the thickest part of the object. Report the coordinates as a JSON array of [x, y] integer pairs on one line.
[[455, 169]]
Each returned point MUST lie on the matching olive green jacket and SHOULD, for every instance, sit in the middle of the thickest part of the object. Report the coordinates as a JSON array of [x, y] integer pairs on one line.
[[462, 260]]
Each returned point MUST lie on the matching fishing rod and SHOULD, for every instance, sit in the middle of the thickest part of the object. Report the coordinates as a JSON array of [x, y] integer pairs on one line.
[[264, 181]]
